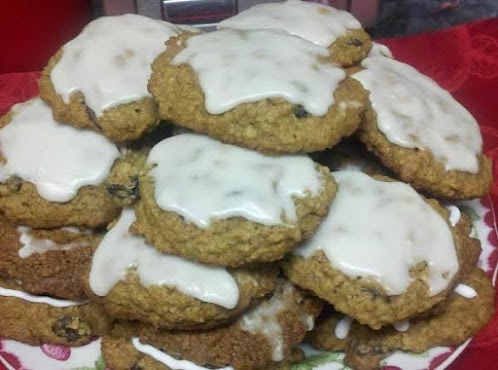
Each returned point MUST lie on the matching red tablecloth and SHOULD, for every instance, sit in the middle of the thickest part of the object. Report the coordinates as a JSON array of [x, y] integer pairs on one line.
[[462, 59]]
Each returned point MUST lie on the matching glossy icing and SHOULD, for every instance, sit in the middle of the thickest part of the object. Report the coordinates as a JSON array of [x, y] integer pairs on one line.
[[242, 66], [109, 62], [167, 360], [317, 23], [121, 252], [60, 303], [380, 230], [263, 319], [57, 159], [465, 291], [414, 112], [343, 327], [455, 214], [202, 179], [379, 50], [402, 325], [32, 245]]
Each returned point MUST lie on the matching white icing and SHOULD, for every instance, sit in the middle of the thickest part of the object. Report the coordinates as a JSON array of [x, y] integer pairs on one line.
[[241, 66], [167, 360], [343, 327], [465, 291], [402, 325], [39, 299], [317, 23], [379, 50], [57, 159], [202, 179], [381, 230], [120, 251], [263, 319], [109, 62], [32, 246], [455, 214], [414, 112]]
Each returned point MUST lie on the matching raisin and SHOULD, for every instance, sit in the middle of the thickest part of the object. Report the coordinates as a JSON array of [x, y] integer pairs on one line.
[[355, 42], [300, 112], [71, 328], [129, 191]]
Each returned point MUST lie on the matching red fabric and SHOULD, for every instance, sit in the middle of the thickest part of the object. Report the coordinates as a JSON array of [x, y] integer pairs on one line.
[[32, 30], [462, 59]]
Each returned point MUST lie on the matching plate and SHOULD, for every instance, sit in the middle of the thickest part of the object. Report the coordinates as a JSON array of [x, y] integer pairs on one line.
[[18, 356]]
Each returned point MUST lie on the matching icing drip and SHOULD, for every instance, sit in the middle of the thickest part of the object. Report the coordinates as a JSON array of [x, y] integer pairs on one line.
[[403, 232], [414, 112], [455, 214], [263, 319], [465, 291], [57, 159], [379, 50], [120, 251], [39, 246], [168, 360], [343, 327], [203, 179], [39, 299], [241, 66], [317, 23], [402, 326], [109, 62]]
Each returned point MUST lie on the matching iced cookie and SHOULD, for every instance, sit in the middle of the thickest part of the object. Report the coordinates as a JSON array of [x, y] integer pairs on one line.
[[136, 282], [337, 30], [262, 338], [262, 89], [466, 311], [53, 175], [99, 80], [384, 253], [421, 133], [41, 319], [46, 261], [221, 204]]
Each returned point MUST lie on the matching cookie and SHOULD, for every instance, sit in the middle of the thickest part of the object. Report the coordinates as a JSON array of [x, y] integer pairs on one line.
[[242, 89], [462, 317], [98, 81], [52, 175], [46, 261], [221, 204], [337, 30], [37, 320], [260, 339], [421, 133], [136, 282], [384, 253]]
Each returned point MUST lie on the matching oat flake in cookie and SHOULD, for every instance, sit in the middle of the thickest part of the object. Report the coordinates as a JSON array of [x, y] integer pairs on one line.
[[99, 79], [383, 253], [218, 203], [51, 174], [242, 89], [421, 133], [138, 282], [337, 30]]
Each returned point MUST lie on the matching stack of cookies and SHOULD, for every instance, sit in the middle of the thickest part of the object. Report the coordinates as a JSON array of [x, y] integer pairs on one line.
[[171, 191]]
